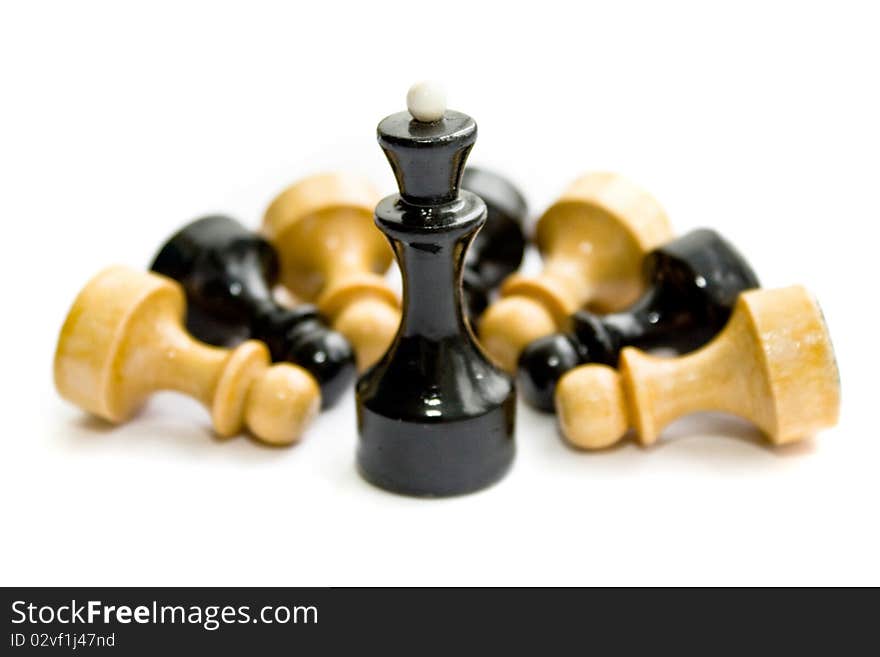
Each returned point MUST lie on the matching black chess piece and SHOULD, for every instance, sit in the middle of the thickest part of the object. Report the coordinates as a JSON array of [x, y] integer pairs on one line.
[[228, 273], [498, 248], [693, 283], [435, 416]]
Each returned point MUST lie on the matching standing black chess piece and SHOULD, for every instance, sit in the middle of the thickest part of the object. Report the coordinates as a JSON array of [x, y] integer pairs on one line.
[[228, 273], [694, 282], [435, 416], [497, 250]]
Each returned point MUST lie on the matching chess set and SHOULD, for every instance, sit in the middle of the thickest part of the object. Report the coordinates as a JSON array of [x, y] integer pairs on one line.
[[435, 371]]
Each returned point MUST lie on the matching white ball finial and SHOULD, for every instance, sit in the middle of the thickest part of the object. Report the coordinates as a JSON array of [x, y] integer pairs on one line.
[[426, 101]]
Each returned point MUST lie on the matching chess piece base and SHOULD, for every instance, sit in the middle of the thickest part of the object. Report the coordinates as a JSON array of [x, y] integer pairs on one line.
[[436, 460]]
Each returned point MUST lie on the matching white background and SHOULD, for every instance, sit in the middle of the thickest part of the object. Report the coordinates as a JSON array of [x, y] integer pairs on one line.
[[119, 124]]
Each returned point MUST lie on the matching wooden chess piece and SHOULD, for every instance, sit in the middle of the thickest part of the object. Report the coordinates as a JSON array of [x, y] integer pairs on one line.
[[593, 239], [435, 416], [228, 274], [498, 248], [123, 339], [693, 283], [773, 364], [332, 254]]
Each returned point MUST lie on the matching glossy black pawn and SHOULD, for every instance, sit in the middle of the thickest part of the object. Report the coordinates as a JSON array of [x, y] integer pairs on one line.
[[228, 273], [693, 281], [497, 250], [435, 416]]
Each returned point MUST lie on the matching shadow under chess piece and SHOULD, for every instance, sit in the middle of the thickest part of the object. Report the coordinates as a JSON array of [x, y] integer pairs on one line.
[[332, 254], [435, 416], [498, 248], [228, 274], [773, 364], [694, 282], [123, 339], [593, 240]]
